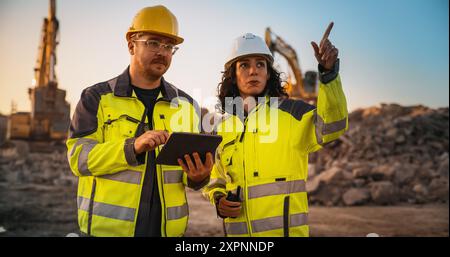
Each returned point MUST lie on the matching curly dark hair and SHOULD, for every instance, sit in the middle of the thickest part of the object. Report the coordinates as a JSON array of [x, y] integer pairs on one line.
[[228, 86]]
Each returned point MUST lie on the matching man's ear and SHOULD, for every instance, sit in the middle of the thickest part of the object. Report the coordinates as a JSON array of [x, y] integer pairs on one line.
[[131, 47]]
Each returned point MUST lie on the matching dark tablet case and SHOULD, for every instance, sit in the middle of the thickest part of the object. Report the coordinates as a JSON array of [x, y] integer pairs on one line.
[[181, 143]]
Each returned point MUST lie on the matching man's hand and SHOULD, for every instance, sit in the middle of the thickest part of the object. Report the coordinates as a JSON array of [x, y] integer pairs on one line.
[[150, 140], [198, 172], [228, 208], [326, 54]]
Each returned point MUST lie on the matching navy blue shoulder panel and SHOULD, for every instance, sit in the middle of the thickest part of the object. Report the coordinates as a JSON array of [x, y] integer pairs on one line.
[[194, 103], [181, 93], [295, 107], [84, 121], [191, 100]]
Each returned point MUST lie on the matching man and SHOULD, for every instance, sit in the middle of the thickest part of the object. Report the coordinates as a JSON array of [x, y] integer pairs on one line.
[[116, 134]]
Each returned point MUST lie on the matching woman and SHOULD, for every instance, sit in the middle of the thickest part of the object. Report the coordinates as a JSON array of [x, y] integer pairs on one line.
[[265, 144]]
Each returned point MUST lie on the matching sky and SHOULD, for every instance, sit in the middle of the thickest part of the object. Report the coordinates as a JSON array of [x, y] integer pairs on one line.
[[391, 51]]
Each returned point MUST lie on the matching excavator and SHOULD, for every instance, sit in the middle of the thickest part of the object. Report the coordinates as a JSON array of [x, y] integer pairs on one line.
[[305, 87], [50, 112]]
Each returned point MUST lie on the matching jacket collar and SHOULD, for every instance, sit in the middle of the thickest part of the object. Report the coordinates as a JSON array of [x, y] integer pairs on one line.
[[121, 87]]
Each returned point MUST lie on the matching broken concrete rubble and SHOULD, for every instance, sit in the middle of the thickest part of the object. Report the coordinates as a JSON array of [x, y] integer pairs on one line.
[[398, 154]]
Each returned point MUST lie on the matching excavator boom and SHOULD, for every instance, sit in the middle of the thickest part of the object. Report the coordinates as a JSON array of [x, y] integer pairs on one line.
[[295, 90], [50, 112]]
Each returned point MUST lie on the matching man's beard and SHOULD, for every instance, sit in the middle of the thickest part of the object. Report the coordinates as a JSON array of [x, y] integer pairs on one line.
[[152, 73]]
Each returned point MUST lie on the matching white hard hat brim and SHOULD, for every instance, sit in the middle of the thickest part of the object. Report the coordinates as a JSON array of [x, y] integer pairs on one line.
[[268, 58]]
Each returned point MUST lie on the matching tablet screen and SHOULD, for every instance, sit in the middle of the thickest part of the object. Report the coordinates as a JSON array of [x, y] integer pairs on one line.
[[181, 143]]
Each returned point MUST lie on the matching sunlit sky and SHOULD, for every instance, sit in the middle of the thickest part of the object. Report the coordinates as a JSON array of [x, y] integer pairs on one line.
[[393, 51]]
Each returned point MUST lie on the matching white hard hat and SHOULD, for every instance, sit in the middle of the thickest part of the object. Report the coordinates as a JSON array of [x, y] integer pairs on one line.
[[248, 44]]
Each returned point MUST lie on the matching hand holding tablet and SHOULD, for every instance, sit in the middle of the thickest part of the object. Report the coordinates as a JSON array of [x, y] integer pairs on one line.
[[181, 143], [193, 152]]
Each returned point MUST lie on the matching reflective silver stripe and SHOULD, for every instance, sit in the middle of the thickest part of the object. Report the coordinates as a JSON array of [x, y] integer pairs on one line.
[[236, 228], [126, 176], [277, 188], [114, 211], [83, 203], [81, 141], [173, 176], [177, 212], [273, 223], [298, 219], [323, 128], [83, 158], [107, 210], [267, 224], [332, 127], [319, 125], [217, 182]]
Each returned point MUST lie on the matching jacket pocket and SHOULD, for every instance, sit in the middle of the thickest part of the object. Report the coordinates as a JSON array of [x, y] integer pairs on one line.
[[226, 154], [123, 126]]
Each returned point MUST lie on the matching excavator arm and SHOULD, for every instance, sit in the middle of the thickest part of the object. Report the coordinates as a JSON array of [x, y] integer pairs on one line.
[[277, 45]]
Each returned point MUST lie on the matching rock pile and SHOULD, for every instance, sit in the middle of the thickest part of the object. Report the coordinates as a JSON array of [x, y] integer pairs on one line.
[[390, 154], [20, 165]]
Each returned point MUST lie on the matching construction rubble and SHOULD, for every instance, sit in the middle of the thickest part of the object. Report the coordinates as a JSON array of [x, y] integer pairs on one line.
[[390, 155], [24, 162], [38, 190]]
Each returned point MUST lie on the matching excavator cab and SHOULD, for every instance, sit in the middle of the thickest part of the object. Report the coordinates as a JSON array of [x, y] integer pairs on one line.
[[310, 82]]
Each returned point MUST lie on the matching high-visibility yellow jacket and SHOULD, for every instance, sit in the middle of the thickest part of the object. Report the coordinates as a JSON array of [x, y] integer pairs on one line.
[[101, 154], [273, 174]]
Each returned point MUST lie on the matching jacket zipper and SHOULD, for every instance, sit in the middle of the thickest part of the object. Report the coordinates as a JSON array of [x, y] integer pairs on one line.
[[286, 216], [241, 139], [256, 162], [91, 206], [159, 178]]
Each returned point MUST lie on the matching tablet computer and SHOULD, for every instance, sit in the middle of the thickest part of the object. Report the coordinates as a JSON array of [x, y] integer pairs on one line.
[[181, 143]]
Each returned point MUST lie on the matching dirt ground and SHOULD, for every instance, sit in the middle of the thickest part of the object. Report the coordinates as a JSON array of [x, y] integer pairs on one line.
[[409, 220], [36, 210]]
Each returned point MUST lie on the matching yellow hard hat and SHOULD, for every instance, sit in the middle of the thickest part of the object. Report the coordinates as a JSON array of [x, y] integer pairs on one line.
[[155, 19]]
